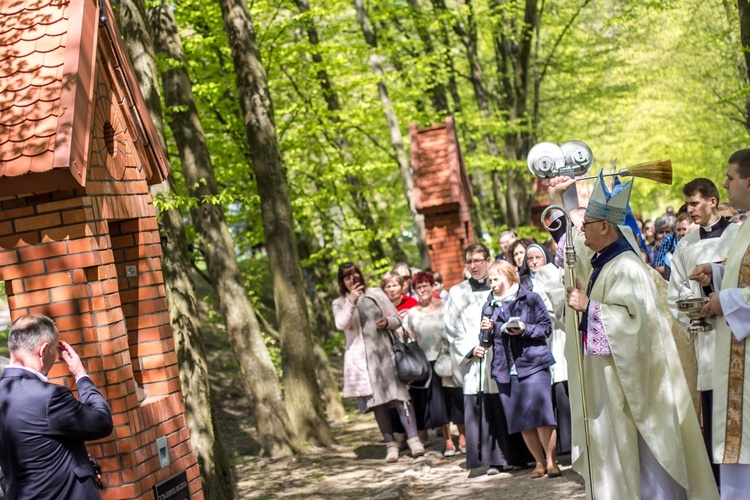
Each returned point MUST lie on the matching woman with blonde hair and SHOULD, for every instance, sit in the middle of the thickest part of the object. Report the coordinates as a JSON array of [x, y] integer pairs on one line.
[[521, 361]]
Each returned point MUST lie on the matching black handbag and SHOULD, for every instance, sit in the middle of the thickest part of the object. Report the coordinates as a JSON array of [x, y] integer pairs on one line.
[[411, 362]]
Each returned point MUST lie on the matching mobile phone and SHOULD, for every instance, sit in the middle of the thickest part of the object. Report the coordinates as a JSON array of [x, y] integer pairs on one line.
[[513, 323], [356, 279]]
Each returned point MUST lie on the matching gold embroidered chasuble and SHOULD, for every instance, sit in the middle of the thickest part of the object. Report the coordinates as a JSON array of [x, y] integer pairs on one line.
[[731, 414]]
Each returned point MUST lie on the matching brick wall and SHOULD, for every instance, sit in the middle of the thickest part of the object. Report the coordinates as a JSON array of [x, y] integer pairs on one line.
[[443, 194], [68, 255]]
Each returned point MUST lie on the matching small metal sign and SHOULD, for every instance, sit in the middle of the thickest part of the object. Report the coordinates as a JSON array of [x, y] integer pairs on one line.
[[173, 488]]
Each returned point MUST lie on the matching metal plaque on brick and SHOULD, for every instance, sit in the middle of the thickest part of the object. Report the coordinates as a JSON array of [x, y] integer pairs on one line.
[[173, 488]]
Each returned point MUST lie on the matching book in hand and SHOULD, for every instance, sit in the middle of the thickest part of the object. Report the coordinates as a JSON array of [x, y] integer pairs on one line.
[[513, 323]]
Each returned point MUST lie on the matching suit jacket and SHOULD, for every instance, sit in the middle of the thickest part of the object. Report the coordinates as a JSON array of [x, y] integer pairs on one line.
[[42, 433]]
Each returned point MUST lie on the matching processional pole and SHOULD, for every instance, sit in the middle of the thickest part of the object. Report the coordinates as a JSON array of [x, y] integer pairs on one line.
[[570, 279]]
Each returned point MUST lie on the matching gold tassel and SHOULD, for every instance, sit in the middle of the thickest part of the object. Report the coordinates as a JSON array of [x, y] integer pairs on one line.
[[658, 170]]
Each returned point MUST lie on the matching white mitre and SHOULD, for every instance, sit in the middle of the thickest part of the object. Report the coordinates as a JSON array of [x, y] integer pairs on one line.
[[612, 207]]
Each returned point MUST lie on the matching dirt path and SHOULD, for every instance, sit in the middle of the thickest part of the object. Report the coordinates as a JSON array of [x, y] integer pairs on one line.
[[355, 468]]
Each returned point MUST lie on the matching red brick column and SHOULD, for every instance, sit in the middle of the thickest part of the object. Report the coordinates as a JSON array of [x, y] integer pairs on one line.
[[59, 256], [443, 194]]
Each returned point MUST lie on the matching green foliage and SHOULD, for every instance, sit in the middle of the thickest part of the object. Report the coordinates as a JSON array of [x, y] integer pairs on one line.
[[637, 81], [533, 232], [335, 345]]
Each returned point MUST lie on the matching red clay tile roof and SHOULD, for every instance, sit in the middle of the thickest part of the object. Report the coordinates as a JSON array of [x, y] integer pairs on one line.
[[47, 61]]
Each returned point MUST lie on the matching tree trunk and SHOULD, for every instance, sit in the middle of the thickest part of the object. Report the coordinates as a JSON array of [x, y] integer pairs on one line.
[[481, 210], [744, 7], [468, 35], [376, 62], [320, 311], [302, 393], [516, 65], [205, 436]]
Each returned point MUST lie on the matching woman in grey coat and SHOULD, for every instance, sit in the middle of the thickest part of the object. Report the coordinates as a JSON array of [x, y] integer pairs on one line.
[[368, 318]]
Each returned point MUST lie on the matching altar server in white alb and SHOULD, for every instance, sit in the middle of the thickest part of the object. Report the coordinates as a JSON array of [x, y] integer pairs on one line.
[[645, 441], [707, 244], [731, 411]]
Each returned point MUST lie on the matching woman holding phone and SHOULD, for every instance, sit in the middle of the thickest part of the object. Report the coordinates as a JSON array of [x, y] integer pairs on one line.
[[365, 315], [521, 361]]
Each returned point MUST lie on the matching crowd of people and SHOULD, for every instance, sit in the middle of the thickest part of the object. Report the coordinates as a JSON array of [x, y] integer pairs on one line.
[[651, 409]]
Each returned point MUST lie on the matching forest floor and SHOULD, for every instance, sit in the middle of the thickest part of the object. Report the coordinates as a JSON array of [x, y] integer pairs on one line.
[[355, 466]]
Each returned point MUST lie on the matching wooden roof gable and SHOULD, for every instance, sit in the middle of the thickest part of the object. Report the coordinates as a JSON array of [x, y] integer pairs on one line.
[[47, 74]]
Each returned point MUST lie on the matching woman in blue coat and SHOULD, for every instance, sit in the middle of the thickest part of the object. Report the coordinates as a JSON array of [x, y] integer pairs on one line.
[[520, 326]]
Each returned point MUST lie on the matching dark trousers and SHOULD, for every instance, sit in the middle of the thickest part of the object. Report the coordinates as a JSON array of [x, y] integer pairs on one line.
[[707, 407]]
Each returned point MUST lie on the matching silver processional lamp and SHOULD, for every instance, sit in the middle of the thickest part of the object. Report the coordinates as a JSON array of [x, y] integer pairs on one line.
[[547, 160]]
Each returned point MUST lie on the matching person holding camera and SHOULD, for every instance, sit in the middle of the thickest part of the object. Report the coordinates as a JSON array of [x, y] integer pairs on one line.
[[365, 314], [520, 326]]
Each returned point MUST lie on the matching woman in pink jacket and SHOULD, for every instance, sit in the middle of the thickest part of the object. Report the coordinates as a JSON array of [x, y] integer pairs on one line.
[[365, 315]]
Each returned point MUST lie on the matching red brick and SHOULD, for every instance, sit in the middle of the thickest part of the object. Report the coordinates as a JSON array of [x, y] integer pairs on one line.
[[123, 405], [6, 227], [122, 241], [110, 286], [37, 222], [83, 245], [22, 211], [112, 362], [181, 450], [90, 351], [47, 281], [90, 334], [109, 463], [94, 365], [19, 240], [76, 216], [123, 433], [98, 378], [97, 287], [72, 338], [61, 205], [97, 304], [112, 479], [58, 371], [29, 299], [69, 292], [74, 262], [149, 348], [131, 490], [120, 344], [71, 232], [8, 257], [56, 310], [119, 375], [120, 419], [158, 388], [21, 270]]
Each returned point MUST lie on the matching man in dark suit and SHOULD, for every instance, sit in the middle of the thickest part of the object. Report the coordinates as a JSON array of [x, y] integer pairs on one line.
[[42, 426]]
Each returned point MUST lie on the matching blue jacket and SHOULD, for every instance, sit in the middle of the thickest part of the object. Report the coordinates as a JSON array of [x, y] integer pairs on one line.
[[42, 433], [529, 350]]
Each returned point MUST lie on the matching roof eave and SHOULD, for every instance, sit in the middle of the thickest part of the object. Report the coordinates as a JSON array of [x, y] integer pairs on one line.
[[72, 142]]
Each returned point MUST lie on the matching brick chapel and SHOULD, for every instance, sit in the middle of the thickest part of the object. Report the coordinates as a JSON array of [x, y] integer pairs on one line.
[[79, 240]]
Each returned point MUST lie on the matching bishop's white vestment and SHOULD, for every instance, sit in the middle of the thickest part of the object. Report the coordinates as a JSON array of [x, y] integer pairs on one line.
[[637, 395]]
